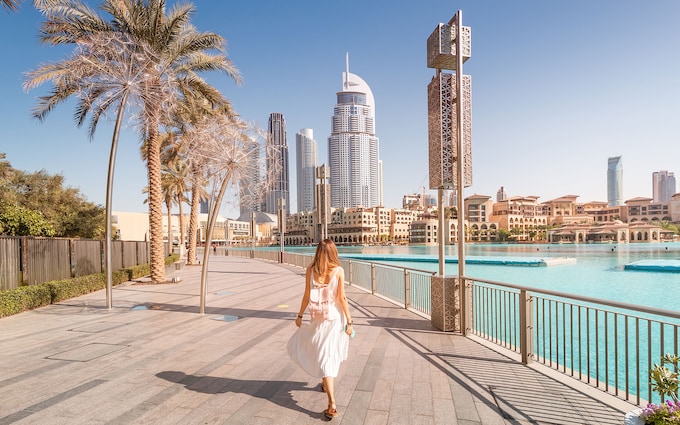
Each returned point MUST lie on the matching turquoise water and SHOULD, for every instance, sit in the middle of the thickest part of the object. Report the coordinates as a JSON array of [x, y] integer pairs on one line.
[[598, 271]]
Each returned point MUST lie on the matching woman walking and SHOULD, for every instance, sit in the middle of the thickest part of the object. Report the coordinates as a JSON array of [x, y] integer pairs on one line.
[[321, 345]]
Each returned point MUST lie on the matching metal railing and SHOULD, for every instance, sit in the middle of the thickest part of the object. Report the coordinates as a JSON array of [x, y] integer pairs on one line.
[[406, 287], [606, 344]]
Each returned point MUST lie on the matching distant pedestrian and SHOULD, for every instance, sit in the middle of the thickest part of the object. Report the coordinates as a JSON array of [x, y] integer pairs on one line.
[[321, 345], [214, 248]]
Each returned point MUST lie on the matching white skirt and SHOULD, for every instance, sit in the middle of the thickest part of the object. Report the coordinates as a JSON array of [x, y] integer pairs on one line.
[[319, 346]]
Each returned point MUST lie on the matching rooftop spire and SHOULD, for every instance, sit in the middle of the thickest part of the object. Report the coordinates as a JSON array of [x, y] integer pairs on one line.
[[346, 70]]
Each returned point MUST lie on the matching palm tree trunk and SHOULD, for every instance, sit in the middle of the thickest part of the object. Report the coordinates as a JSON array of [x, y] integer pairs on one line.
[[155, 207], [169, 205], [193, 223], [182, 230]]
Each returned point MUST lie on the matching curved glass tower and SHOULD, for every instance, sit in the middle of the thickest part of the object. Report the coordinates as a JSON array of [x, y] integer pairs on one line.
[[614, 181], [353, 146]]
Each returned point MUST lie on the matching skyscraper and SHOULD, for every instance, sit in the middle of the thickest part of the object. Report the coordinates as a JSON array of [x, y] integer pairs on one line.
[[663, 185], [249, 186], [501, 195], [306, 160], [353, 146], [614, 181], [277, 165]]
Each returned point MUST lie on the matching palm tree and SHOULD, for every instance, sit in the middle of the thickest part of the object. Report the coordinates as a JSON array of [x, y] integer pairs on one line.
[[11, 4], [142, 53], [198, 181], [175, 185], [192, 117]]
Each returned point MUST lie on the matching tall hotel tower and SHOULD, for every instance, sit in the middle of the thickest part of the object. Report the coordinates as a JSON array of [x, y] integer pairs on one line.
[[249, 198], [663, 185], [614, 181], [277, 163], [353, 146], [306, 159]]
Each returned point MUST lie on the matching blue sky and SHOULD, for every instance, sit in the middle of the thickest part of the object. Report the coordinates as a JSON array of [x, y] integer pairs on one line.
[[557, 88]]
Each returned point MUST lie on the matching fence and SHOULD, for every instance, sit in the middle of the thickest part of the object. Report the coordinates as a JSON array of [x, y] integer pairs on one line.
[[409, 288], [608, 345], [32, 261]]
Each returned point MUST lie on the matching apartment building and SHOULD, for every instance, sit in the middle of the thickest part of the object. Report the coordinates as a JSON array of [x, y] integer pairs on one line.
[[522, 216]]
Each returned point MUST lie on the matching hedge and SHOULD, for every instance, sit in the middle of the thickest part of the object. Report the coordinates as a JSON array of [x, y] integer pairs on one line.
[[13, 301], [23, 298]]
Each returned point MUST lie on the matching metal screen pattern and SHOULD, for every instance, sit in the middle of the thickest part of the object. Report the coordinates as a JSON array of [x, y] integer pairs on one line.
[[442, 135], [441, 46]]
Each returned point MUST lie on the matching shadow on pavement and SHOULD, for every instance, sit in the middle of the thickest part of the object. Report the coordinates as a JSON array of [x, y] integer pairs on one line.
[[265, 390]]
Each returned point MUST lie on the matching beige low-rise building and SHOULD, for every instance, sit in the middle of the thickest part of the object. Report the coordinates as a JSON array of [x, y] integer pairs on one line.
[[522, 216], [615, 231], [478, 216], [565, 210]]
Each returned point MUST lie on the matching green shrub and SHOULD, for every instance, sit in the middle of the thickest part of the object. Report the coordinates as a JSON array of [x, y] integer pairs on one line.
[[13, 301], [25, 298], [141, 270], [70, 288], [120, 276]]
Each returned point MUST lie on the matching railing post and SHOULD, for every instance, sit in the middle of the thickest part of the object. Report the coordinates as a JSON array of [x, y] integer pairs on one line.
[[526, 327], [464, 306], [373, 282], [351, 270], [407, 289]]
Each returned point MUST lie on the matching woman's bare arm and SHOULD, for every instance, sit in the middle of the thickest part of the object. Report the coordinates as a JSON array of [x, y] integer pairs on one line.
[[305, 298], [342, 299]]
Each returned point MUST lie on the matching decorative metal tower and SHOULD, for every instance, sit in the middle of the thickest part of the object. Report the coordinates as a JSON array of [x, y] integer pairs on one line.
[[450, 154]]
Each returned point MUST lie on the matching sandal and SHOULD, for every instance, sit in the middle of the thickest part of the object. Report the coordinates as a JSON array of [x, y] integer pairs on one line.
[[331, 412]]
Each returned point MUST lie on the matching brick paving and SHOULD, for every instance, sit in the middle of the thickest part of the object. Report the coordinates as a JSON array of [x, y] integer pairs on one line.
[[153, 359]]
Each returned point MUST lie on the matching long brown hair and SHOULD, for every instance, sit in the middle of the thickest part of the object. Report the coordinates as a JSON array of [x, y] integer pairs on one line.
[[325, 259]]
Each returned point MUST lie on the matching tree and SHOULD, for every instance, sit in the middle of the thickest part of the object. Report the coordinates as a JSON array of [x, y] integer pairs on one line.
[[20, 221], [192, 117], [68, 213], [13, 5], [503, 235], [175, 186], [142, 54]]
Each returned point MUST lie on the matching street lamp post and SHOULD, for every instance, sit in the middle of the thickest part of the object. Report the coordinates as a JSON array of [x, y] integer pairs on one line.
[[282, 225], [323, 199], [253, 224], [449, 140]]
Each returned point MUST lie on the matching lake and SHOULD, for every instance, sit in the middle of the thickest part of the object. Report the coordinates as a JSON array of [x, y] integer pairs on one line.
[[597, 272]]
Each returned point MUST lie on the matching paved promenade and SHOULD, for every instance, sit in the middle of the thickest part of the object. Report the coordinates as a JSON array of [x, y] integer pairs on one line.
[[153, 359]]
